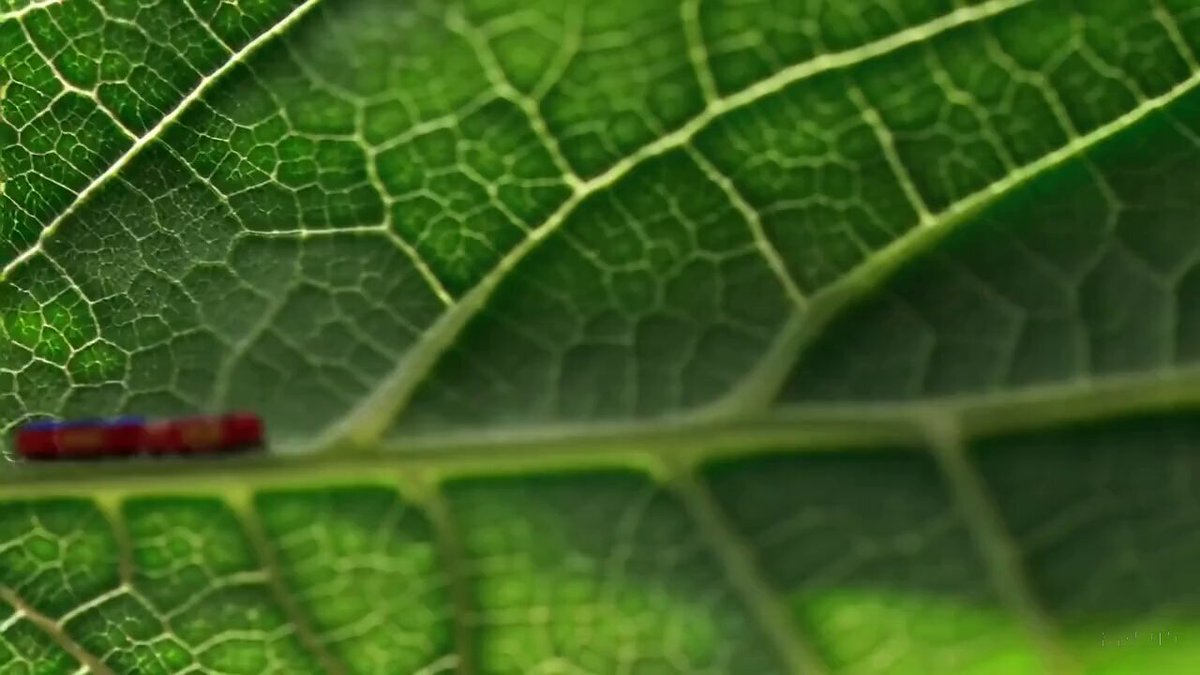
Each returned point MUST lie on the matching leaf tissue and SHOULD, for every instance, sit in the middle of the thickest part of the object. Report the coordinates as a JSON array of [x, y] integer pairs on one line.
[[617, 337]]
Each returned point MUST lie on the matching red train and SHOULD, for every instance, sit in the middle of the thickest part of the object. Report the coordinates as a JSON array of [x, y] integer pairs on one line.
[[123, 436]]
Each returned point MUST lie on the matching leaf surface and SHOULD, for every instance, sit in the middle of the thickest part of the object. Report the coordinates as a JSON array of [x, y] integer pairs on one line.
[[608, 337]]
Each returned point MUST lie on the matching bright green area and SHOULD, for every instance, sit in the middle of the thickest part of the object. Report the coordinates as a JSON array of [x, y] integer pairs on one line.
[[891, 549], [197, 596], [378, 220], [366, 567], [1110, 544], [602, 572], [59, 553], [26, 649]]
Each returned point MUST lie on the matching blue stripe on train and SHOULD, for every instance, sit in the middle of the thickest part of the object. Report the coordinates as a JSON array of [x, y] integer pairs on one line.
[[52, 425]]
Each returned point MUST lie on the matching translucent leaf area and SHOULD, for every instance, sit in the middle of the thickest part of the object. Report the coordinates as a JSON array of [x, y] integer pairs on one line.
[[727, 337]]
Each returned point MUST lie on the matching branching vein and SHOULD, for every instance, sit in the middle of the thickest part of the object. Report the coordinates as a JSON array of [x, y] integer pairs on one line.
[[55, 631], [37, 5], [368, 421], [765, 380], [156, 131], [296, 618], [1000, 553], [743, 573], [455, 573]]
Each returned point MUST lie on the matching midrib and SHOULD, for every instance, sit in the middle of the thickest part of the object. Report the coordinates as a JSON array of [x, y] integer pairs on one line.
[[823, 428]]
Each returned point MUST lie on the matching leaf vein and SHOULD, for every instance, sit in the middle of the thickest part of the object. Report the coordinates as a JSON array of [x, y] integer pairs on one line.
[[888, 146], [243, 506], [744, 575], [995, 545], [689, 15], [478, 42], [460, 598], [747, 211], [804, 428], [32, 7], [54, 630]]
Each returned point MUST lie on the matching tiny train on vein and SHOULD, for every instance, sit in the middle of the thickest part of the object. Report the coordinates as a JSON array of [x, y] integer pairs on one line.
[[128, 436]]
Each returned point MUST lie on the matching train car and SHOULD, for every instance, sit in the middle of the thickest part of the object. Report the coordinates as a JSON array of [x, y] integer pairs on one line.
[[203, 435], [80, 439], [97, 439]]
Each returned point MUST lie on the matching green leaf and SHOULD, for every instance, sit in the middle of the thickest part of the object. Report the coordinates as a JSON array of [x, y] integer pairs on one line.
[[606, 337]]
